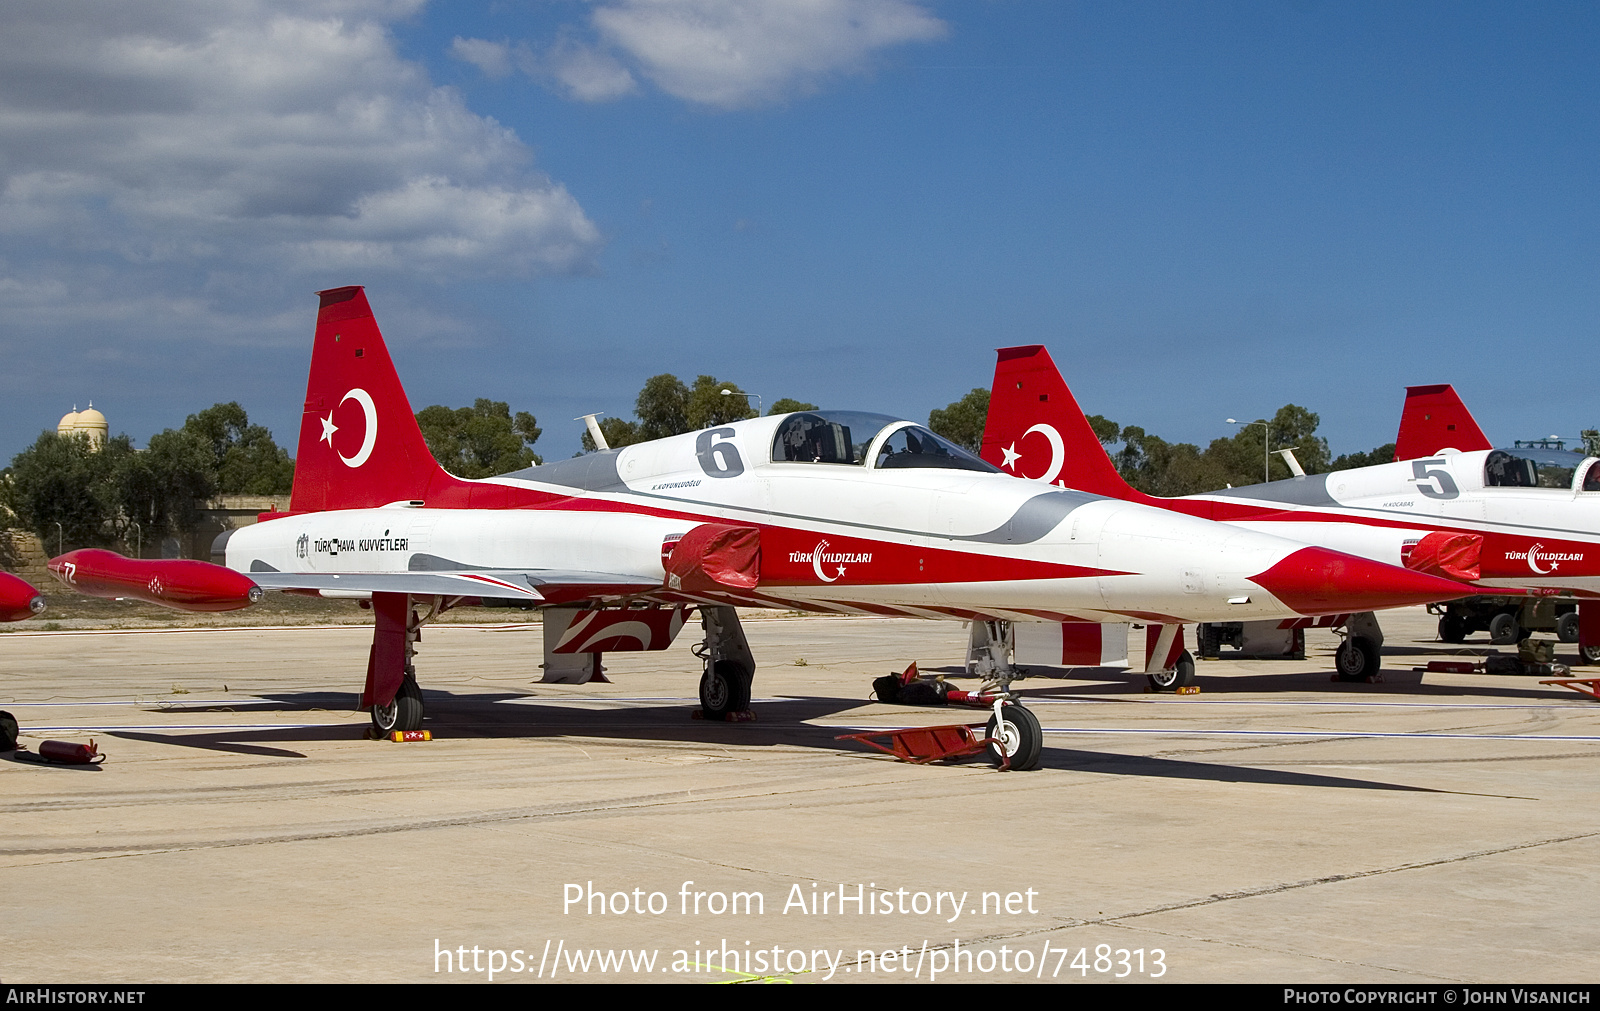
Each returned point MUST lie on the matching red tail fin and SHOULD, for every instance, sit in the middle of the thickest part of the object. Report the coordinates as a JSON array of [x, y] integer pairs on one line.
[[359, 442], [1036, 429], [1435, 418]]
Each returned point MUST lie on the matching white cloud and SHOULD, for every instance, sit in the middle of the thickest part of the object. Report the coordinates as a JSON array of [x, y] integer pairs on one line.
[[185, 137], [724, 53], [732, 53], [493, 58], [588, 73]]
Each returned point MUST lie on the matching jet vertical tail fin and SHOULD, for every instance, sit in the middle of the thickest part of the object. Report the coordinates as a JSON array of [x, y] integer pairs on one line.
[[1036, 429], [1434, 418], [359, 442]]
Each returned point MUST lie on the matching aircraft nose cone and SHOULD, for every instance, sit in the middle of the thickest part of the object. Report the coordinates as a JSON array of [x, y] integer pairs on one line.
[[1320, 581]]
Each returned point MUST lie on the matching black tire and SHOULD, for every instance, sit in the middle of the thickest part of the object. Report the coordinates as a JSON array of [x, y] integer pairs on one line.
[[725, 688], [1503, 630], [1452, 628], [1180, 676], [404, 712], [1589, 654], [1567, 627], [1021, 734], [1356, 659]]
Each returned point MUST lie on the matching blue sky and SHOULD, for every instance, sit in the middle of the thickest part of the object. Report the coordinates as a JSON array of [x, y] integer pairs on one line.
[[1203, 210]]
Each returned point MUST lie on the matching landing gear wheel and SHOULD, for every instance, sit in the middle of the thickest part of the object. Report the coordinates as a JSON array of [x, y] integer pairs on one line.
[[1021, 735], [404, 711], [724, 689], [1503, 630], [1452, 628], [1356, 659], [1180, 676], [1567, 627], [1589, 654]]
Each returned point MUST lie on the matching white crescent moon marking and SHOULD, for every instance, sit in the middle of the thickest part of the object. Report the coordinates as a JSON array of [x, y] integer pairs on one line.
[[1058, 452], [1533, 559], [636, 630], [816, 562], [363, 398]]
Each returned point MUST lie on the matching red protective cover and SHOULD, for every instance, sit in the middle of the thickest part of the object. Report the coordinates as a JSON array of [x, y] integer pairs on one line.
[[1452, 555], [1434, 418], [713, 555]]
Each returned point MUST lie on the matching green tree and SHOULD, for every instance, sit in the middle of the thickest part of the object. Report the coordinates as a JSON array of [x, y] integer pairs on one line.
[[64, 479], [164, 488], [708, 407], [962, 422], [1293, 427], [244, 456], [618, 432], [662, 407], [789, 405], [1105, 430], [1350, 461], [482, 440], [667, 407]]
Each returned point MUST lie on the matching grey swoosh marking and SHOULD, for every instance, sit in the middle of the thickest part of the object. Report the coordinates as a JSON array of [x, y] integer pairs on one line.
[[1037, 517], [590, 472], [1311, 490]]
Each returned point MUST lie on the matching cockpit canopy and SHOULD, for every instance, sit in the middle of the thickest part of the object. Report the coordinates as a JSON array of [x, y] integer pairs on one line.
[[915, 446], [846, 437], [1530, 468]]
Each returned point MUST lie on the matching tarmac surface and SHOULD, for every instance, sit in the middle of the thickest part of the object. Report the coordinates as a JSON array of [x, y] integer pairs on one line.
[[1277, 827]]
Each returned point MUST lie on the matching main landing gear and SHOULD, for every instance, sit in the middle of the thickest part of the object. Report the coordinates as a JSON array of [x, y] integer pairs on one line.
[[391, 695], [729, 666], [1360, 656], [1170, 679]]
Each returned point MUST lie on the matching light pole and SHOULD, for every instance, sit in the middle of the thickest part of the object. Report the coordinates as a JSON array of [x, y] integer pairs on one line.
[[59, 538], [746, 396], [1266, 446]]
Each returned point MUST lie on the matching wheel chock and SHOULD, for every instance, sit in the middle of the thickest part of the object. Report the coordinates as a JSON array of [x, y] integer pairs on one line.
[[921, 745], [397, 736], [1181, 690], [741, 716]]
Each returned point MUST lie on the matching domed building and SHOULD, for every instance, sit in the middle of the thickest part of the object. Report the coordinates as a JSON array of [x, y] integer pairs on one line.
[[90, 423]]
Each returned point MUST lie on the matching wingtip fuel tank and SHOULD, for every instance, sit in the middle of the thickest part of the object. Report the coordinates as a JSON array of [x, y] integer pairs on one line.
[[18, 598], [181, 583]]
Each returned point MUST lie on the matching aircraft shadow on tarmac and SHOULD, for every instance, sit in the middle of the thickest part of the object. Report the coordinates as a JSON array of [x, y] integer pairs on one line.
[[1402, 683], [781, 721]]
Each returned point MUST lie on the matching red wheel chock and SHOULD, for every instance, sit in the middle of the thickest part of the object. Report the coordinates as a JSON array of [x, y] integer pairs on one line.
[[921, 745]]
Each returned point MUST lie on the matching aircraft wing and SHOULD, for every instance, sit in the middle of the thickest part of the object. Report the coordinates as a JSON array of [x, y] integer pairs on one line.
[[531, 585]]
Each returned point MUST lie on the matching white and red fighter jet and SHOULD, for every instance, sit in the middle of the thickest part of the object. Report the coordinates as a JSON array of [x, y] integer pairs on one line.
[[835, 511], [1489, 517]]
